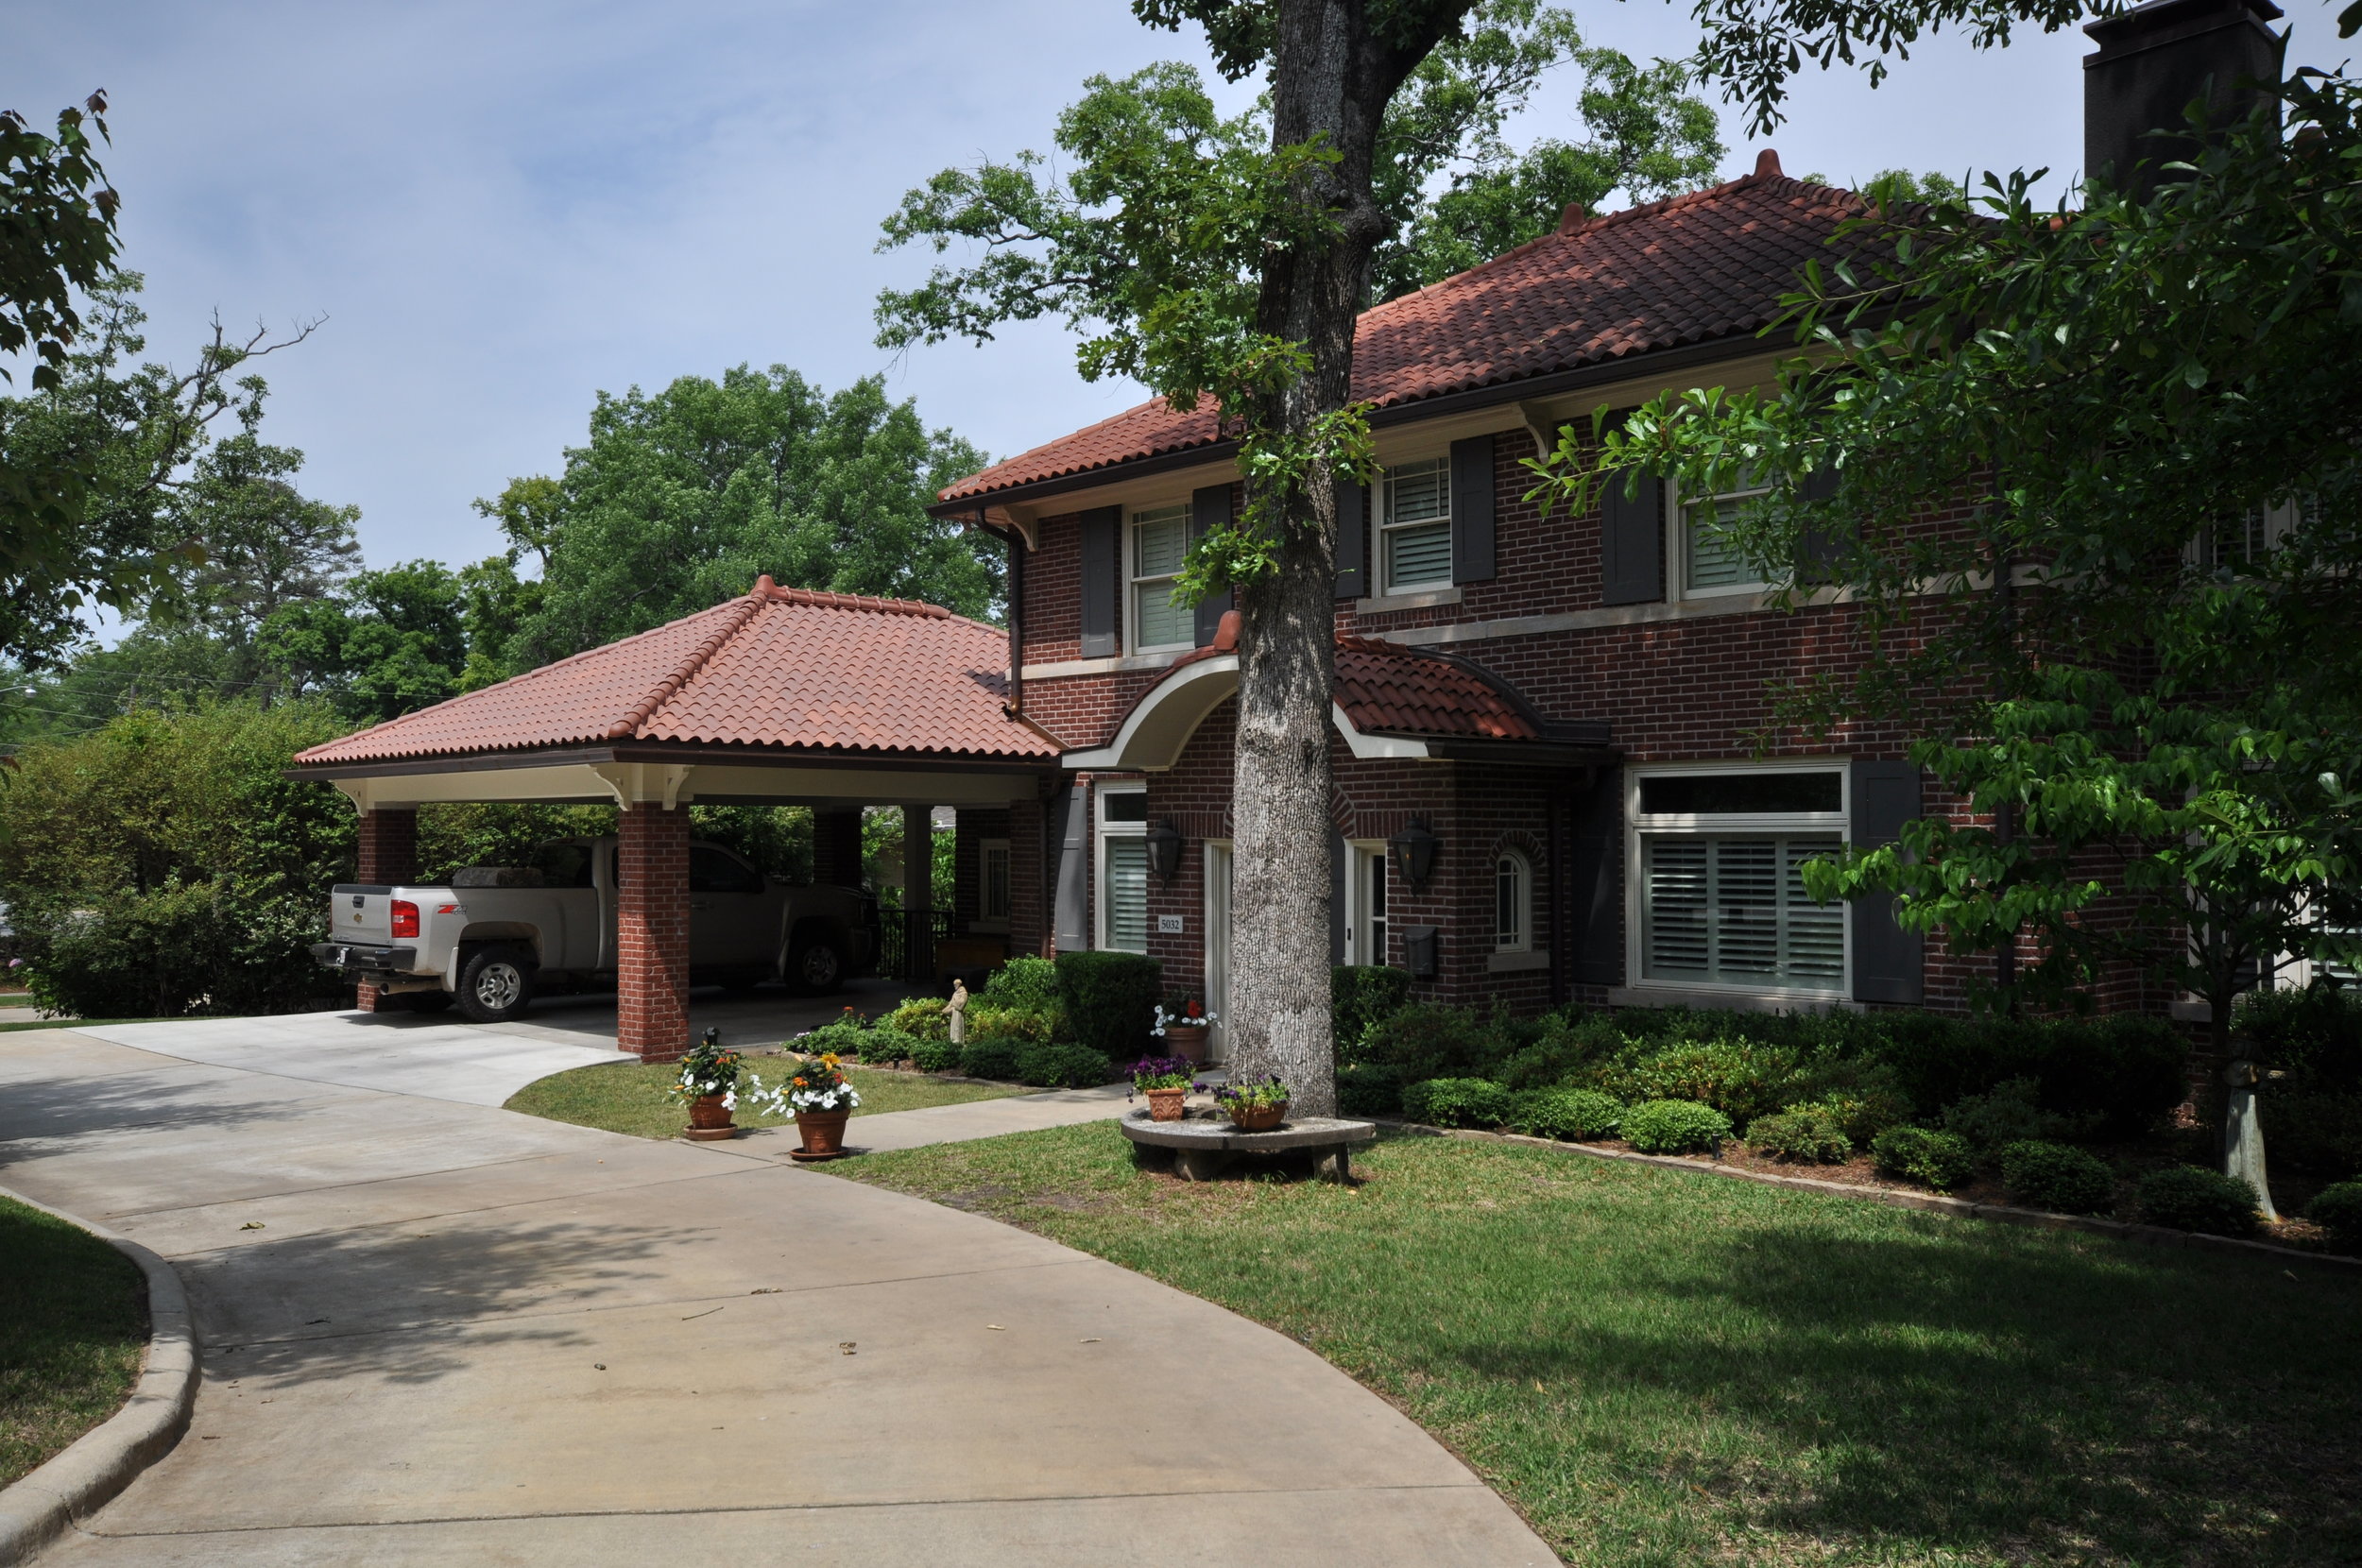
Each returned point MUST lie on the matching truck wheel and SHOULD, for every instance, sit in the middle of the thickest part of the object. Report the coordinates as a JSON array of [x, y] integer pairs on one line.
[[816, 967], [495, 985]]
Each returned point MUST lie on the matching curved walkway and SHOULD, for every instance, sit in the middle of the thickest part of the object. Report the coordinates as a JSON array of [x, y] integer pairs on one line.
[[437, 1332]]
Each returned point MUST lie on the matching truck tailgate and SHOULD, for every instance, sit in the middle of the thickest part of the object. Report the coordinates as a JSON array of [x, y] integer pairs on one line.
[[362, 912]]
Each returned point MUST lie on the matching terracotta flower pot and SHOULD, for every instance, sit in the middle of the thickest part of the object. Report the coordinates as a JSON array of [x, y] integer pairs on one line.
[[823, 1133], [1187, 1042], [709, 1119], [1167, 1104], [1257, 1118]]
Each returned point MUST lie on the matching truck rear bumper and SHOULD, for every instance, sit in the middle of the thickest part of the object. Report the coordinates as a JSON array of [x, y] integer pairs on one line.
[[345, 955]]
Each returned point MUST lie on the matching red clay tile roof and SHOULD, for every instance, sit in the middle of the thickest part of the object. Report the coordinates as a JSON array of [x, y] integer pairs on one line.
[[1690, 270], [1386, 687], [780, 666]]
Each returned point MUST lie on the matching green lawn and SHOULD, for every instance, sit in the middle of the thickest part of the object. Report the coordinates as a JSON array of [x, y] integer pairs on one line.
[[630, 1098], [1659, 1368], [73, 1325]]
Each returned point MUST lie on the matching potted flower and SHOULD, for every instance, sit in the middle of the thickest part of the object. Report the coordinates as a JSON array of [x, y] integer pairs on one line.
[[1254, 1107], [822, 1102], [1164, 1079], [1183, 1024], [707, 1085]]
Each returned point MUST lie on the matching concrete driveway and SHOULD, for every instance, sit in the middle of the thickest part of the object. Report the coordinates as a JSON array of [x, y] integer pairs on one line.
[[436, 1332]]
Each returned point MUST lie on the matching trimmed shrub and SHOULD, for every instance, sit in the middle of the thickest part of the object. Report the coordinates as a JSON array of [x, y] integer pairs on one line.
[[2186, 1197], [1433, 1041], [1368, 1089], [885, 1043], [1939, 1160], [2314, 1035], [2339, 1211], [1562, 1049], [995, 1059], [1360, 995], [1862, 1094], [1813, 1134], [2317, 1133], [934, 1055], [1574, 1115], [843, 1034], [2009, 1114], [921, 1018], [1061, 1067], [1675, 1127], [1110, 1001], [1742, 1078], [2124, 1072], [2053, 1176], [1457, 1102], [1023, 1024], [1024, 984]]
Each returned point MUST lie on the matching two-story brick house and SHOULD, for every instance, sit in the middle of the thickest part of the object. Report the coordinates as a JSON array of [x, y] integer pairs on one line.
[[1546, 780]]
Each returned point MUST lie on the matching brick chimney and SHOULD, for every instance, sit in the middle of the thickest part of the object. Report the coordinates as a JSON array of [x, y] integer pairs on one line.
[[2153, 60]]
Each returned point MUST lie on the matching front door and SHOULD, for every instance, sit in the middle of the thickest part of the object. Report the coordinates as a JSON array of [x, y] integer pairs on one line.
[[1217, 946]]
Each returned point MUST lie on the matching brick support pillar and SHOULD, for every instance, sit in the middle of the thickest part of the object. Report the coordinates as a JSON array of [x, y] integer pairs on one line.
[[836, 848], [652, 932], [918, 868], [389, 845], [1028, 881]]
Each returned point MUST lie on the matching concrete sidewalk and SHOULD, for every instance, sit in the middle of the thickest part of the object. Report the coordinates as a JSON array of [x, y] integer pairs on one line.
[[436, 1332]]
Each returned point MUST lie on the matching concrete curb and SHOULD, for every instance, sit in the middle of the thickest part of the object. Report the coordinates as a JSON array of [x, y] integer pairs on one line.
[[1902, 1197], [37, 1509]]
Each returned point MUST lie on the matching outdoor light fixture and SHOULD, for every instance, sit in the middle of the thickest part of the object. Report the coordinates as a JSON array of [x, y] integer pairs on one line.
[[1415, 849], [1164, 849]]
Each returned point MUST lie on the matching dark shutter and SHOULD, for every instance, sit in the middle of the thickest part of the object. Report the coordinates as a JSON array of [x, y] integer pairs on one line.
[[1886, 958], [1472, 510], [1210, 508], [1353, 540], [1821, 548], [1595, 884], [1340, 858], [1632, 541], [1071, 811], [1102, 561]]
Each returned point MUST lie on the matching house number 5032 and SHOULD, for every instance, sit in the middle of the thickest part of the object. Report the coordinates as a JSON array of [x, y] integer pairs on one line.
[[1171, 925]]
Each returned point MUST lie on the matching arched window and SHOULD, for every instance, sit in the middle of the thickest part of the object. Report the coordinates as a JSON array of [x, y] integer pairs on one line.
[[1513, 903]]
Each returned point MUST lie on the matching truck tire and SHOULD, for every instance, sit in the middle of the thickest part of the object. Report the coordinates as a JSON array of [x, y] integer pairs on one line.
[[815, 966], [495, 984]]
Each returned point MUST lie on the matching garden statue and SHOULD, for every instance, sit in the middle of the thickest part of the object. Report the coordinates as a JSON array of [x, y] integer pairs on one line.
[[955, 1013]]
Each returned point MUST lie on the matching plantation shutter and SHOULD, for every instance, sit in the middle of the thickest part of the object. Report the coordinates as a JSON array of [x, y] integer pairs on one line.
[[1632, 541], [1594, 903], [1821, 548], [1102, 564], [1472, 510], [1353, 540], [1340, 859], [1210, 508], [1073, 808], [1888, 962]]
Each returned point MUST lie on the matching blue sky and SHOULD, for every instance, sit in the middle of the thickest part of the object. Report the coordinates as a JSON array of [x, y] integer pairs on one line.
[[502, 208]]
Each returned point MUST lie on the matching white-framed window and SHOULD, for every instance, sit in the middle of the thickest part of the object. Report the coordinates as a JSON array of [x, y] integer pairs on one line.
[[1717, 888], [1512, 902], [1709, 562], [1122, 867], [1415, 527], [1157, 546], [1366, 901], [2231, 543], [992, 885]]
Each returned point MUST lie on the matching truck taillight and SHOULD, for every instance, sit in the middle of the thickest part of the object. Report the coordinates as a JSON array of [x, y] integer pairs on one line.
[[406, 918]]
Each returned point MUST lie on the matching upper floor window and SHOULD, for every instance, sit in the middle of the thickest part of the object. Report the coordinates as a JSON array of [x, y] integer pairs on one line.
[[1415, 526], [1513, 903], [1159, 545], [2231, 544], [1711, 562]]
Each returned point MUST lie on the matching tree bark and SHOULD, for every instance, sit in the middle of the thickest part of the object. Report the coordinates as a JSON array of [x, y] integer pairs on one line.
[[1331, 78]]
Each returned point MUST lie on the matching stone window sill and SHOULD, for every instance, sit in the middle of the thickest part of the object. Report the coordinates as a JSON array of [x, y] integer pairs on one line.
[[1389, 603], [1510, 963]]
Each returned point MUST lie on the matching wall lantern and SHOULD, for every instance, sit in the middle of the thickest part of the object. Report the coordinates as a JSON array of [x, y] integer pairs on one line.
[[1414, 850], [1164, 849]]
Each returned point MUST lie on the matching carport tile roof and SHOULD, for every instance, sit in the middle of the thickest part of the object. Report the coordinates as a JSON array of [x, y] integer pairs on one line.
[[785, 668], [1693, 268]]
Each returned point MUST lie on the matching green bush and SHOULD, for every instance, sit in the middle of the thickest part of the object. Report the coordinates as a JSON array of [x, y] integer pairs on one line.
[[184, 947], [1807, 1132], [1457, 1102], [995, 1059], [2317, 1133], [921, 1018], [2339, 1211], [1360, 995], [1433, 1041], [1024, 984], [1574, 1115], [2008, 1114], [1939, 1160], [844, 1034], [1023, 1025], [1057, 1065], [1742, 1078], [934, 1055], [2122, 1072], [1675, 1127], [1566, 1047], [2187, 1198], [882, 1042], [2314, 1035], [1110, 1001], [1861, 1093], [1368, 1089], [2054, 1176]]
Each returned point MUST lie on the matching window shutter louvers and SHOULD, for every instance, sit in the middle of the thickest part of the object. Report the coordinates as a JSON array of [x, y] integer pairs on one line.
[[1210, 508], [1595, 898], [1888, 959], [1072, 809], [1472, 510], [1353, 540], [1103, 566], [1632, 541]]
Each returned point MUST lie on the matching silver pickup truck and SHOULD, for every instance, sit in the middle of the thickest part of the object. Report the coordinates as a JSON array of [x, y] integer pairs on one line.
[[496, 932]]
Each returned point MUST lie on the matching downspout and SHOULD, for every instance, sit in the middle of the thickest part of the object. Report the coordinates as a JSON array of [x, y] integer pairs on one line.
[[1016, 703]]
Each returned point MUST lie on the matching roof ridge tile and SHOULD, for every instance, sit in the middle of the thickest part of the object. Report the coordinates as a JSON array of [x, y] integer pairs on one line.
[[630, 722]]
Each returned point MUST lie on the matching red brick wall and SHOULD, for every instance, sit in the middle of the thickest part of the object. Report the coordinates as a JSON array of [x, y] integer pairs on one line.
[[973, 826], [836, 848], [652, 932], [1029, 891], [389, 854]]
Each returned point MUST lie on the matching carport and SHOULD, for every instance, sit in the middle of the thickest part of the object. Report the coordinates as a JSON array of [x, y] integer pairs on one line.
[[784, 697]]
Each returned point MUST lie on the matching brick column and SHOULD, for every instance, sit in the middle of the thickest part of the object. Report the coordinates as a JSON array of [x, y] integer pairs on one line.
[[836, 848], [1029, 879], [652, 932], [389, 853], [918, 897]]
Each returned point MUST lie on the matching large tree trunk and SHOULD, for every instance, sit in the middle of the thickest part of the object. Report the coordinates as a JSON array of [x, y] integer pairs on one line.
[[1330, 80]]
